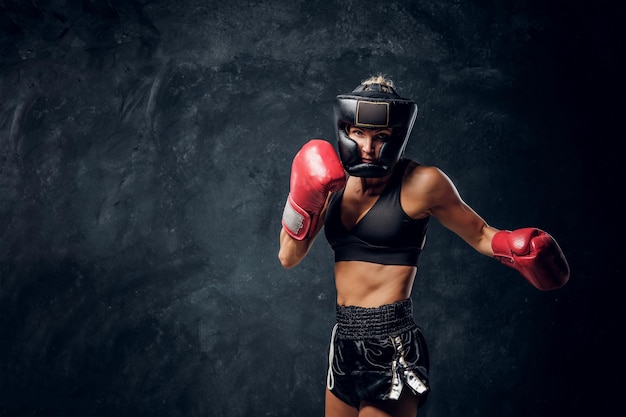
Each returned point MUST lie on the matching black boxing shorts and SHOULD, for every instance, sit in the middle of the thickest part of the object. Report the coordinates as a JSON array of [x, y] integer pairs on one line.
[[375, 353]]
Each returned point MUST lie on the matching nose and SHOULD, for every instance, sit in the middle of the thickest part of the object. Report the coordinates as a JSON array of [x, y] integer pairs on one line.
[[367, 145]]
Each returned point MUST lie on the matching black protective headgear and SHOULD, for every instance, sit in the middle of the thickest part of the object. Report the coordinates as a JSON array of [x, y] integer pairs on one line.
[[373, 106]]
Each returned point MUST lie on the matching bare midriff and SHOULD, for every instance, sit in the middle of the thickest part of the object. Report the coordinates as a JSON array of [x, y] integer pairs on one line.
[[367, 284]]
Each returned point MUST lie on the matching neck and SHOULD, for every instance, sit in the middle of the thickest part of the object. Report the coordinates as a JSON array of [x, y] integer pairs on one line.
[[373, 186]]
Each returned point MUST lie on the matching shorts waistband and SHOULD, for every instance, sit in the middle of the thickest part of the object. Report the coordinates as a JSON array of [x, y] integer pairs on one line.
[[378, 322]]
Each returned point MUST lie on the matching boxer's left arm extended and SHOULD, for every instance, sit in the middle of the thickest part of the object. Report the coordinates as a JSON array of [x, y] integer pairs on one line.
[[534, 254]]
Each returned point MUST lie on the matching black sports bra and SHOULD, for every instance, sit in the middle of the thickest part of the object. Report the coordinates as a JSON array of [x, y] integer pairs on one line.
[[385, 235]]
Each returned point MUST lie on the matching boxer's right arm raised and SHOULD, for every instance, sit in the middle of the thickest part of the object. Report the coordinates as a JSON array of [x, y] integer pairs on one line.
[[315, 172]]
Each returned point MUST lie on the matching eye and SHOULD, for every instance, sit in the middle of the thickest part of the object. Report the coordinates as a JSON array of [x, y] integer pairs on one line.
[[383, 136]]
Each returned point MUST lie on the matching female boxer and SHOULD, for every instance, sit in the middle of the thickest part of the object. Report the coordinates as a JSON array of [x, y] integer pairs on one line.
[[376, 206]]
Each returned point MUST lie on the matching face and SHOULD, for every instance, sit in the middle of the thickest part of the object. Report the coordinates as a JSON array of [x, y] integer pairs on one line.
[[369, 141]]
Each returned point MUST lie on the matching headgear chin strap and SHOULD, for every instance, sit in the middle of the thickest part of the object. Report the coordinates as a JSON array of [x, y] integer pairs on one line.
[[374, 106]]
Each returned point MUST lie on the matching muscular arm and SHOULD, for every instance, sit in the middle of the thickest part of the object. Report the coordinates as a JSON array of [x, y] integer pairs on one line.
[[440, 198], [463, 220], [531, 251], [292, 251]]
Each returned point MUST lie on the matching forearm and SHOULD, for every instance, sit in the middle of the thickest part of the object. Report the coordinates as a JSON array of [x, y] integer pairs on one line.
[[483, 243], [292, 251], [470, 227]]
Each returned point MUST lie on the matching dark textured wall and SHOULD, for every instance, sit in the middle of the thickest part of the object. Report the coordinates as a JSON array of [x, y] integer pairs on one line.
[[145, 150]]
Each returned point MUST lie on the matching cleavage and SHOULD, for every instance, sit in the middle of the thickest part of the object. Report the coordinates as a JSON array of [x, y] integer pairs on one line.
[[354, 209]]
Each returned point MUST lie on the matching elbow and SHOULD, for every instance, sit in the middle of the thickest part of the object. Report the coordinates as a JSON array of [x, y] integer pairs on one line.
[[287, 262], [291, 251]]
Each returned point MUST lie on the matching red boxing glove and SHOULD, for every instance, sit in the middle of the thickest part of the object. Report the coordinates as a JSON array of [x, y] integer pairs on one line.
[[534, 254], [316, 170]]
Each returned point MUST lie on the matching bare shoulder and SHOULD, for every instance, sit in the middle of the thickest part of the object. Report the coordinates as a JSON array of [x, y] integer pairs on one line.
[[424, 178], [425, 187]]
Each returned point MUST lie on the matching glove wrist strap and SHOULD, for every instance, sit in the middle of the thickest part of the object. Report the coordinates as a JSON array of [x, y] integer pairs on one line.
[[296, 221]]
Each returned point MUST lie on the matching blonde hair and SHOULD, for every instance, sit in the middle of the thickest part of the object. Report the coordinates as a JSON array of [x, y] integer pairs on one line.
[[379, 79]]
